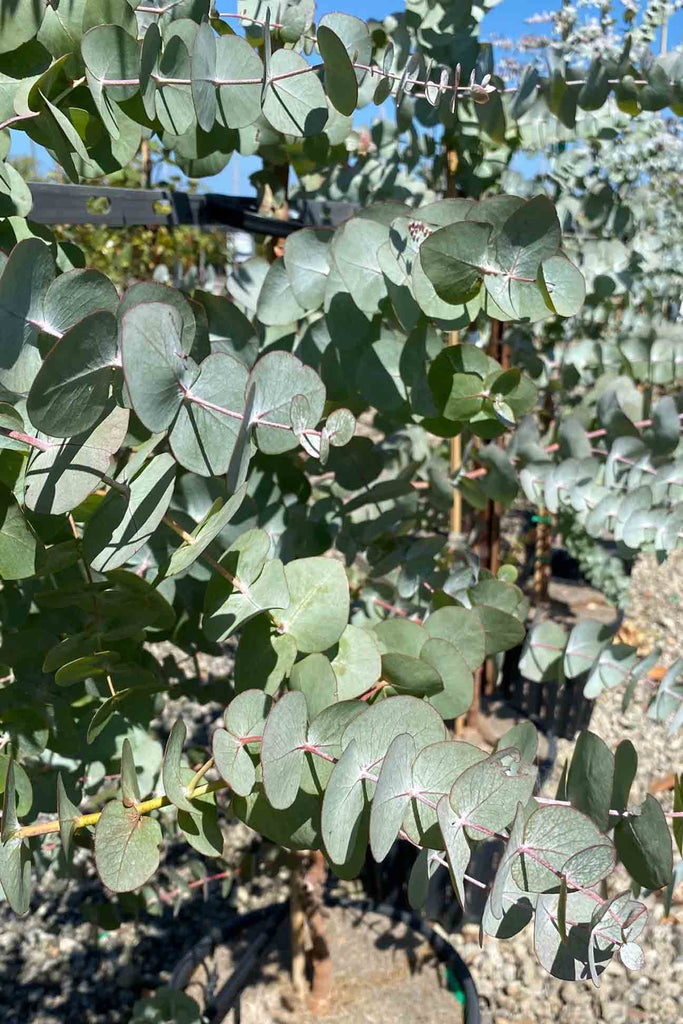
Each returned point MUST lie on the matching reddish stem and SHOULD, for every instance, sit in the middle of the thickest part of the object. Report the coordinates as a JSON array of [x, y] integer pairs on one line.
[[311, 749], [371, 693], [549, 802], [250, 739], [389, 607], [168, 897], [475, 474]]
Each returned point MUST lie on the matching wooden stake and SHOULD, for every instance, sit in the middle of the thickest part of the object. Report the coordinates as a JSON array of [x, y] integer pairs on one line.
[[472, 717], [455, 463], [490, 547], [268, 208], [542, 563], [146, 156], [453, 339], [297, 925], [321, 961]]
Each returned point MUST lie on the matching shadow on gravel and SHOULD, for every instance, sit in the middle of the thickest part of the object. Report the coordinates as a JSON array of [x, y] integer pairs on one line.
[[57, 969]]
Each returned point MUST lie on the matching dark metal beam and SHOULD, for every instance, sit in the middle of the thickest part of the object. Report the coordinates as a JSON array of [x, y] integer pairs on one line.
[[78, 204]]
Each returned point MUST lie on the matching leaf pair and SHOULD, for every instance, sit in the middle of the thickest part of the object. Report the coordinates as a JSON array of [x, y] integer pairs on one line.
[[346, 672], [217, 410], [434, 661], [69, 390], [512, 247]]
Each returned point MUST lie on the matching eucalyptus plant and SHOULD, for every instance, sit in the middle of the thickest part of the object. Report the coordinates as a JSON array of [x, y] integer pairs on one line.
[[264, 468], [616, 197]]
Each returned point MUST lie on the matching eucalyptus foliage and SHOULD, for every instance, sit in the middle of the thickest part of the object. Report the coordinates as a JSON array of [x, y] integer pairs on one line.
[[188, 467], [602, 568]]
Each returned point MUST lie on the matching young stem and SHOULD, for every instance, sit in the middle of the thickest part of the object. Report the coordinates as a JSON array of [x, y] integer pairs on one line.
[[375, 690], [168, 897], [221, 570], [460, 90], [95, 601], [17, 117], [33, 442], [476, 474], [156, 803], [549, 802], [231, 414], [197, 778]]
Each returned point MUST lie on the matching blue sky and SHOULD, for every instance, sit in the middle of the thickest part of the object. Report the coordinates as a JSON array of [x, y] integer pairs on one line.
[[507, 19]]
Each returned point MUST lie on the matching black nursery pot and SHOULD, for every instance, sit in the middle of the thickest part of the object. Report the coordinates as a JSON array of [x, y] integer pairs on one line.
[[456, 968], [557, 709], [270, 918]]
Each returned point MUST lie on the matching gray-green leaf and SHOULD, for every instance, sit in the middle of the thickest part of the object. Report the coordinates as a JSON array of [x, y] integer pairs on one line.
[[126, 847]]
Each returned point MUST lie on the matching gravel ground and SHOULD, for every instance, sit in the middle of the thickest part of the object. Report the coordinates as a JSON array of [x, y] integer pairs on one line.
[[56, 969], [656, 603], [512, 986]]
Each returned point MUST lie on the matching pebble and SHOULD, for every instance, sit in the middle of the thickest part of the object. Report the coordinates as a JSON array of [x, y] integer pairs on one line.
[[571, 993], [509, 972], [67, 946], [670, 1009], [612, 1012]]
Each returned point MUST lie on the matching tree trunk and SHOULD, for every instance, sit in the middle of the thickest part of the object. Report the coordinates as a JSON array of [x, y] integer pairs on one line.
[[321, 961], [297, 925], [308, 922]]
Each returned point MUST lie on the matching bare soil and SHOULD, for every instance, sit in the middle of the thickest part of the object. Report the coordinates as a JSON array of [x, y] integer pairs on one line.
[[383, 972]]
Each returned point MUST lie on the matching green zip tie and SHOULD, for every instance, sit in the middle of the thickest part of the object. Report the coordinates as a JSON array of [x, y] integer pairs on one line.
[[547, 520], [455, 987]]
